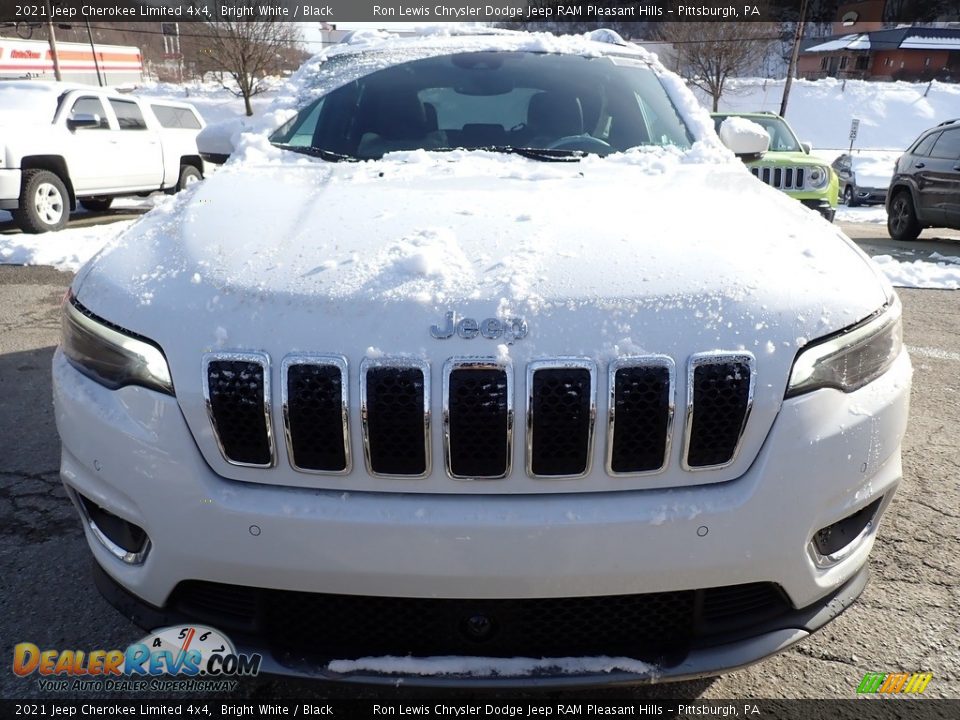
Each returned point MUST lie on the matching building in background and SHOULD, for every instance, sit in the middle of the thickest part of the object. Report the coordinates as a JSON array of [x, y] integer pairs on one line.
[[902, 53], [32, 59]]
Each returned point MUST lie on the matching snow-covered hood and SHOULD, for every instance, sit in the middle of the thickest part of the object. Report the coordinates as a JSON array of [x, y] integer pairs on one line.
[[426, 231], [645, 253]]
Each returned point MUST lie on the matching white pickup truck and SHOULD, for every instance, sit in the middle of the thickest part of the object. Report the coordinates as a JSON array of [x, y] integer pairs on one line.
[[62, 145]]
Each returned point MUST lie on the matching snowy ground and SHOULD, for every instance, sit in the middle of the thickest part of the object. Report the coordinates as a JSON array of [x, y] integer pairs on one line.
[[891, 114]]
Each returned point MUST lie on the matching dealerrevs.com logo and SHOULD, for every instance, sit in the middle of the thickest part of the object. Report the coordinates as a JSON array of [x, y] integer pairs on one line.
[[181, 658]]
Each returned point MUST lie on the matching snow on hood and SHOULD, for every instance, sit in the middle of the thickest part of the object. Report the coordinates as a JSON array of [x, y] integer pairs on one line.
[[419, 233]]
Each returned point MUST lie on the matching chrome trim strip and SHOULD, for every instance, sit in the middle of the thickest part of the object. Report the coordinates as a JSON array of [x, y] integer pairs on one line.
[[476, 363], [562, 363], [716, 358], [262, 359], [125, 556], [400, 363], [339, 362], [634, 361]]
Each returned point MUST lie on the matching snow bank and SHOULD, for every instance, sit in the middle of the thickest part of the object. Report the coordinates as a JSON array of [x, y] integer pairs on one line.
[[486, 666], [892, 114], [921, 273], [65, 250]]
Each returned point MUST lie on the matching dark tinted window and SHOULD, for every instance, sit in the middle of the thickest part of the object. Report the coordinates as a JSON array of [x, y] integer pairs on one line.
[[493, 99], [91, 106], [128, 115], [922, 148], [175, 117], [948, 146]]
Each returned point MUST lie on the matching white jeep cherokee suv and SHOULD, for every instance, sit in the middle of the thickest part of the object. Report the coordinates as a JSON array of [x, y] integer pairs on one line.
[[526, 381]]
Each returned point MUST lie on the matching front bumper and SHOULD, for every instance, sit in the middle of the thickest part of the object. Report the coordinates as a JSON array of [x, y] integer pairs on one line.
[[827, 455], [822, 206]]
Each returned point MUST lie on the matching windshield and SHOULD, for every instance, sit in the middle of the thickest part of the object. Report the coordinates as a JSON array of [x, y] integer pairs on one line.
[[782, 138], [497, 100]]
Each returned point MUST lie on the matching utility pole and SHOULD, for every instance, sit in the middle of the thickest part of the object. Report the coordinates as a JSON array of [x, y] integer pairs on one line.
[[794, 54], [53, 42], [93, 49]]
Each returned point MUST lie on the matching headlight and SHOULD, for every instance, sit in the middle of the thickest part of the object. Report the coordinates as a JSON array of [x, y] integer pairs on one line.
[[818, 177], [850, 359], [110, 355]]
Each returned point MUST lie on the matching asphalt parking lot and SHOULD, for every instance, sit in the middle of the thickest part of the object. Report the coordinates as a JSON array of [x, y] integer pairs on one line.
[[907, 620]]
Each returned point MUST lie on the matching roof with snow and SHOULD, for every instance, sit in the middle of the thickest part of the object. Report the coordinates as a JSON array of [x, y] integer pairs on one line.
[[901, 38]]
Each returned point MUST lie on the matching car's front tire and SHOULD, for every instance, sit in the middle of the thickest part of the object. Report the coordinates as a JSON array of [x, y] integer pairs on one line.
[[188, 176], [44, 202], [848, 197], [902, 222]]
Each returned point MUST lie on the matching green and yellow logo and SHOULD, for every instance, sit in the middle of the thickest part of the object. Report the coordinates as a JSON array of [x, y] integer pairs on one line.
[[892, 683]]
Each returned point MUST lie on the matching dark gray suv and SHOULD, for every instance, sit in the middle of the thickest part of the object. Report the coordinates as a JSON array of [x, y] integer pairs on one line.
[[925, 189]]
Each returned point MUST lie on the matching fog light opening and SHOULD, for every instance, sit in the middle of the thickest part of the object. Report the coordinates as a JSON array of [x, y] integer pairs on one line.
[[834, 543], [124, 540]]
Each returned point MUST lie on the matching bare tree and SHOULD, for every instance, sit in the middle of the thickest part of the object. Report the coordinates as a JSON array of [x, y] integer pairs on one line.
[[246, 51], [709, 53]]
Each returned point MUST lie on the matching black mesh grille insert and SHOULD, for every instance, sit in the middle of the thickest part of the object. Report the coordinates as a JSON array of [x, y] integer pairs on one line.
[[561, 399], [316, 417], [237, 405], [646, 626], [641, 418], [721, 393], [478, 417], [395, 421]]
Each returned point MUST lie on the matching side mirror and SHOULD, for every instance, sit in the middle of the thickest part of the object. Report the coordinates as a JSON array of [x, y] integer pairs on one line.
[[807, 147], [747, 139], [215, 142], [83, 120]]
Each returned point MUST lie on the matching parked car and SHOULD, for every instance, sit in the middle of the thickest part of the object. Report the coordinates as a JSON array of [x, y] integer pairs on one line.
[[925, 189], [864, 178], [788, 165], [63, 144], [491, 350]]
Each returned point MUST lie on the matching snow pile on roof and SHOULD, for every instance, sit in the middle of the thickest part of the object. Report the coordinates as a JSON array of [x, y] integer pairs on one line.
[[921, 273], [847, 42], [923, 42], [487, 666]]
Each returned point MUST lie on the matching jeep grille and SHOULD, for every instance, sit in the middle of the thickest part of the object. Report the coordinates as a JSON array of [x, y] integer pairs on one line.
[[782, 178], [478, 414]]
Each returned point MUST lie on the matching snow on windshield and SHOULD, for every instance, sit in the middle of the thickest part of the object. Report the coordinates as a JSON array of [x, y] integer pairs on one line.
[[369, 52]]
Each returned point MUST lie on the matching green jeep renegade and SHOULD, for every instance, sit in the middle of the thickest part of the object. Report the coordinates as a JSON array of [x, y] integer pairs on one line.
[[787, 165]]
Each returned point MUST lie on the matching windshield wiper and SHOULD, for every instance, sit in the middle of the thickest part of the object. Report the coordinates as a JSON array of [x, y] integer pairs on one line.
[[543, 154], [328, 155]]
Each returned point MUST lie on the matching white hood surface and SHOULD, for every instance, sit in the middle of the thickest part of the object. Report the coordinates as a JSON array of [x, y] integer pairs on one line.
[[646, 252]]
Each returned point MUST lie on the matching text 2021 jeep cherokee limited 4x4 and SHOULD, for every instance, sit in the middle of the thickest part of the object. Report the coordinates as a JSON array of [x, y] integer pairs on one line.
[[474, 351]]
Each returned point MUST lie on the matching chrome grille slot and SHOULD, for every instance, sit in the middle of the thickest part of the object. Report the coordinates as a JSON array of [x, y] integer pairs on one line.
[[395, 412], [640, 420], [719, 399], [315, 416], [799, 178], [561, 409], [236, 388], [477, 418]]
